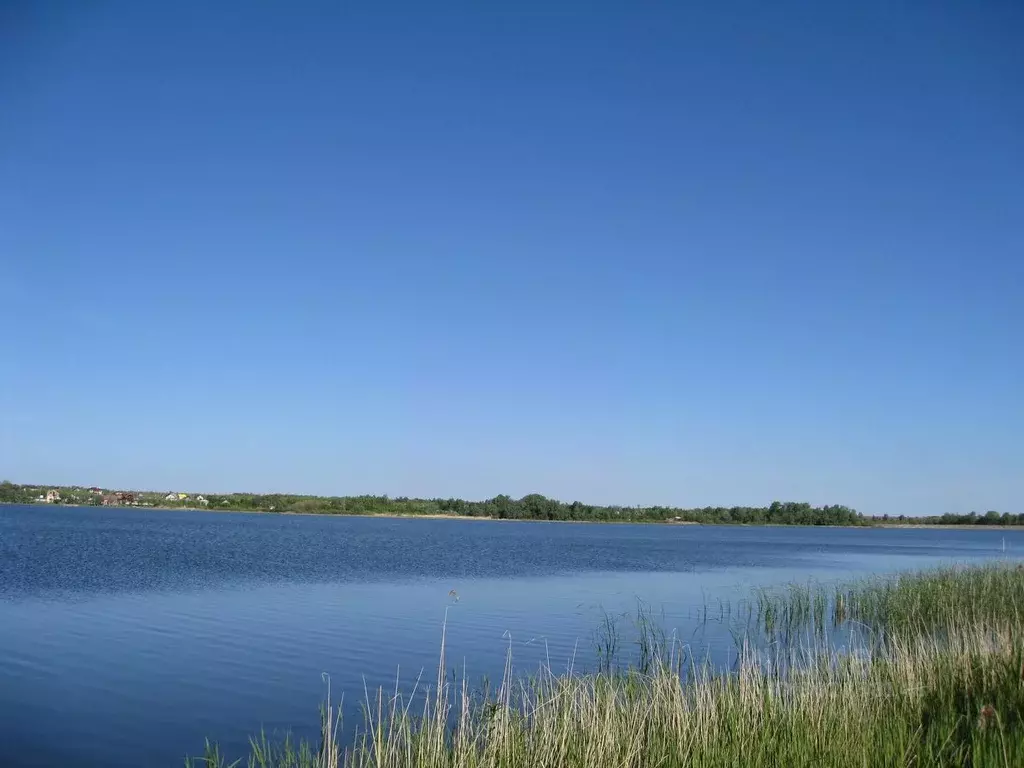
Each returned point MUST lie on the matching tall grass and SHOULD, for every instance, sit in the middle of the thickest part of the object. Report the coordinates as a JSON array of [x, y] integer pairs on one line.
[[940, 682], [935, 601], [876, 608]]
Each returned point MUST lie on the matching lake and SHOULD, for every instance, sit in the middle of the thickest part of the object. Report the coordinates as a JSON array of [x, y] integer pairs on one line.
[[128, 636]]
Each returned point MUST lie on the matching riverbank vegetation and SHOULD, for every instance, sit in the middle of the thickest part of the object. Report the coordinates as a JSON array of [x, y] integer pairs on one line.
[[990, 518], [531, 507], [931, 673]]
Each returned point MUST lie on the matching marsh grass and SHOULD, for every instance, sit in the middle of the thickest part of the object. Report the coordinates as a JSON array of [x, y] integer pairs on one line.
[[937, 681], [934, 601]]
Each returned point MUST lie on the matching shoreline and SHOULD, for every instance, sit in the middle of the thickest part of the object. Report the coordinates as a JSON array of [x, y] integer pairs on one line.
[[429, 516], [442, 516], [398, 515], [446, 516], [956, 526]]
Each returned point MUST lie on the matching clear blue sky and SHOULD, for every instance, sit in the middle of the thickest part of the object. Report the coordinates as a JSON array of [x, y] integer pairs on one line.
[[680, 253]]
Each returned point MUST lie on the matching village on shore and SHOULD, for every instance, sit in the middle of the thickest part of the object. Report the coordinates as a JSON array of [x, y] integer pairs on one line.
[[95, 496]]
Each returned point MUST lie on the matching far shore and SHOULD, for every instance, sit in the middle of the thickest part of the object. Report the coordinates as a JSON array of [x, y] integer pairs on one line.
[[956, 526], [490, 518], [430, 516], [399, 516]]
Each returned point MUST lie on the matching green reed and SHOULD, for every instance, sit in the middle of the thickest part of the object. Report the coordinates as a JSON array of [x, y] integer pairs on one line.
[[941, 683]]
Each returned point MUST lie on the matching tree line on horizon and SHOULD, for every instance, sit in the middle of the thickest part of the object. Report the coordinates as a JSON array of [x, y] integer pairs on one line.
[[992, 517], [533, 506]]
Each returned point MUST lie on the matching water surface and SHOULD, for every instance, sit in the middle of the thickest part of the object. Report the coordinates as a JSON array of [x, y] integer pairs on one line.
[[128, 636]]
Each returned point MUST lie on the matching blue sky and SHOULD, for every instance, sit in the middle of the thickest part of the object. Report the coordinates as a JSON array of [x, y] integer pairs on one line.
[[687, 254]]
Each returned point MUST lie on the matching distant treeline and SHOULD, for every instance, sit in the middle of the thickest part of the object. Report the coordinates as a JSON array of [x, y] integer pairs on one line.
[[537, 507], [973, 518], [531, 507]]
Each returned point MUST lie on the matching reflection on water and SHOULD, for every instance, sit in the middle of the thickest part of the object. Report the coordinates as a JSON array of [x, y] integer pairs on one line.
[[140, 633]]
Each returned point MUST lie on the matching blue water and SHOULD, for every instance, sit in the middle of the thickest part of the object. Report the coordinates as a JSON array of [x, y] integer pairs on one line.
[[128, 636]]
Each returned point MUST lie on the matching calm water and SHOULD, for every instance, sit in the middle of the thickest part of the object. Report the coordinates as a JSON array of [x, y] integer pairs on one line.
[[128, 636]]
